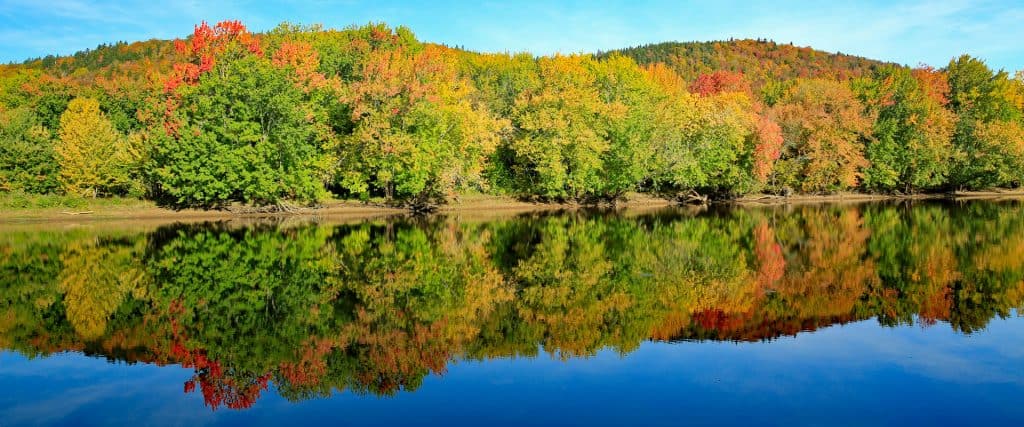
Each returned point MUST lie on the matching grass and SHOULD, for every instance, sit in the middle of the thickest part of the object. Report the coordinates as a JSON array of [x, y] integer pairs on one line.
[[12, 202]]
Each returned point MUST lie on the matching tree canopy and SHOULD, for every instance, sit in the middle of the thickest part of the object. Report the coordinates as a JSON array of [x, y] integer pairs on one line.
[[301, 113]]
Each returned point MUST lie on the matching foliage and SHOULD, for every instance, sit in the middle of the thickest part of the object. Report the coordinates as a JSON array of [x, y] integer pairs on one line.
[[27, 160], [824, 131], [229, 116], [416, 134], [562, 131], [984, 102], [996, 156], [912, 145], [238, 129], [94, 158]]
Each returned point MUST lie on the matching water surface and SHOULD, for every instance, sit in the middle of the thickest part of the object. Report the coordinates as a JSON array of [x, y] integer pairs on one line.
[[843, 315]]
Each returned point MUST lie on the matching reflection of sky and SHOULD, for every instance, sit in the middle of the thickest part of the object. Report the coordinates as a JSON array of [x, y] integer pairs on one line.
[[858, 374]]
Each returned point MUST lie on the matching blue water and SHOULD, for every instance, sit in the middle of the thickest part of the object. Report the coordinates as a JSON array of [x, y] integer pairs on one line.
[[859, 315], [857, 374]]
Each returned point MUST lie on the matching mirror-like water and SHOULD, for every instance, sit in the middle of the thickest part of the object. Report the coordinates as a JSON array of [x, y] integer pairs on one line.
[[860, 315]]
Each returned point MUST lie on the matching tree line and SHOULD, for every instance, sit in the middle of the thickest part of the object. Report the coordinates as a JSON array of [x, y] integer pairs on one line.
[[298, 114]]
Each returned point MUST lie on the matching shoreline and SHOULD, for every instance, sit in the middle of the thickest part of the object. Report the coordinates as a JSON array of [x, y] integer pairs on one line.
[[801, 199], [469, 207]]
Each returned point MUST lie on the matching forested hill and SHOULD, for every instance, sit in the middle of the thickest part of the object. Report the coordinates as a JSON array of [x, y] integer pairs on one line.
[[154, 54], [760, 60]]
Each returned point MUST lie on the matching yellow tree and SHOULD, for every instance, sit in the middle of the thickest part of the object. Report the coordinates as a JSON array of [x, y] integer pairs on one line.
[[94, 158]]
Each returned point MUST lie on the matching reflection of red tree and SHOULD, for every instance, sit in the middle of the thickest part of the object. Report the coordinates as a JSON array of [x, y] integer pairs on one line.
[[756, 325], [718, 320], [218, 388], [312, 364]]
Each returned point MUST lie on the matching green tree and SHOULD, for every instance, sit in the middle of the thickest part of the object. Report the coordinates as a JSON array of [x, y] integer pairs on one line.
[[700, 143], [242, 135], [27, 160], [562, 132], [912, 146], [979, 93], [629, 159], [984, 102]]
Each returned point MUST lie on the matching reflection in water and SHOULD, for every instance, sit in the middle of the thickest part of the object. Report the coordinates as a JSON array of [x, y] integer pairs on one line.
[[377, 306]]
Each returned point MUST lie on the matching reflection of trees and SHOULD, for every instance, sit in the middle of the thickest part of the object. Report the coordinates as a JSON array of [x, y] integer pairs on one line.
[[239, 302], [829, 267], [415, 296], [993, 269], [96, 277], [377, 306], [565, 288], [29, 267], [917, 266]]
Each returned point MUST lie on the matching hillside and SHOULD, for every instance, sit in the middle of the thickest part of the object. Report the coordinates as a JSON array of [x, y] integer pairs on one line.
[[760, 60], [104, 57]]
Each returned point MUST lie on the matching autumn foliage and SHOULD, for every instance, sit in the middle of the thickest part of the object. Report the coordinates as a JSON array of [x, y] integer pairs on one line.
[[718, 82], [202, 50], [299, 113]]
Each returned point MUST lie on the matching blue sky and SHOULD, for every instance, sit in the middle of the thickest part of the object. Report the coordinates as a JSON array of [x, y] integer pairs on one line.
[[905, 31]]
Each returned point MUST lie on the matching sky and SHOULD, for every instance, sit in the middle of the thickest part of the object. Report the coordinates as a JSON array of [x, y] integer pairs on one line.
[[905, 31]]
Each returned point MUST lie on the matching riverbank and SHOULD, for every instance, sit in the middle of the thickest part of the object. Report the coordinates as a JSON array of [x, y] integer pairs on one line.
[[54, 208], [769, 199], [64, 209]]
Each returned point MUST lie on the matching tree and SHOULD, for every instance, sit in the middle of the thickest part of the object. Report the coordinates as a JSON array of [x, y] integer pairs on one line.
[[764, 137], [912, 147], [984, 102], [768, 142], [562, 130], [716, 141], [997, 155], [629, 159], [824, 132], [978, 93], [720, 81], [500, 79], [27, 159], [94, 158], [417, 137], [238, 127]]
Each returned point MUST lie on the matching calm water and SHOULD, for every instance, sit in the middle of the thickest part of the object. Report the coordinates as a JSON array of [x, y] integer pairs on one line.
[[855, 315]]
